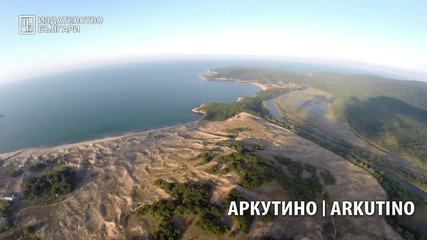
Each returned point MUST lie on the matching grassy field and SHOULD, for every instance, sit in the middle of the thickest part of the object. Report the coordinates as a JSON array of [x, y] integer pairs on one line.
[[391, 113]]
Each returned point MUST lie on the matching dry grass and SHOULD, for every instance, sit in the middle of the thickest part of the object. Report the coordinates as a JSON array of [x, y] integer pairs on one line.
[[123, 169]]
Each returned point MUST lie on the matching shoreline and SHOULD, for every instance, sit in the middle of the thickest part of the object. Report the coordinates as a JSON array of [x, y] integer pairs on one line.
[[262, 86], [199, 111], [25, 152], [212, 78]]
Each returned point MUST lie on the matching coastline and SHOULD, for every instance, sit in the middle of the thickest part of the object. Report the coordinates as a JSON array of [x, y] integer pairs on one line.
[[198, 110], [25, 152], [262, 86], [213, 78], [111, 173]]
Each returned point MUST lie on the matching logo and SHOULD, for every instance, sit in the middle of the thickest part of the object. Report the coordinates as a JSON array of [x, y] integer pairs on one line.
[[27, 24]]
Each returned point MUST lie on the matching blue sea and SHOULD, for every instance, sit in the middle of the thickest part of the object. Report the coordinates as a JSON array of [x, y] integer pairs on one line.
[[112, 100]]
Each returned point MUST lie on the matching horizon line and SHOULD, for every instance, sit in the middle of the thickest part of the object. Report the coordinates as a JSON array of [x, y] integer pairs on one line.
[[417, 75]]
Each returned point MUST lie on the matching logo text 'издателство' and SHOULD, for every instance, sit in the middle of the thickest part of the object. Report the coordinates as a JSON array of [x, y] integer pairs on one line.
[[30, 24]]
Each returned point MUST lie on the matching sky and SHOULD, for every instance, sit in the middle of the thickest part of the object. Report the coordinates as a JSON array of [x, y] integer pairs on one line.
[[390, 34]]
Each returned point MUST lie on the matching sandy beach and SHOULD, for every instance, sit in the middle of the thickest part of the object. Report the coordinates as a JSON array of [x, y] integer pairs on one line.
[[212, 78], [26, 152]]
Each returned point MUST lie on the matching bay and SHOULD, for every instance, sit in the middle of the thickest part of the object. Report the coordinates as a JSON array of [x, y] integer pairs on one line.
[[112, 100]]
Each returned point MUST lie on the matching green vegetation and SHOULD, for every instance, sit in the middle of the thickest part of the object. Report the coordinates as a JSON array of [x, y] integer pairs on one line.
[[295, 169], [166, 231], [6, 213], [298, 187], [390, 122], [206, 156], [262, 75], [218, 169], [8, 227], [26, 233], [365, 160], [47, 188], [283, 160], [243, 222], [38, 167], [327, 177], [237, 130], [258, 147], [188, 199], [48, 165], [253, 105], [395, 191], [193, 199], [240, 147], [309, 168], [11, 170], [210, 223], [253, 170], [389, 112], [305, 189], [223, 111]]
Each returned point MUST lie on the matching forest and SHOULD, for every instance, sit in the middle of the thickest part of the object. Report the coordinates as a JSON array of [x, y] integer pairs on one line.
[[253, 105], [46, 188], [391, 113]]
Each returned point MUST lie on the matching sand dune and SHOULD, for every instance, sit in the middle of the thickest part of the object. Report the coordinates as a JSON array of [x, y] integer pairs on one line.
[[122, 169]]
